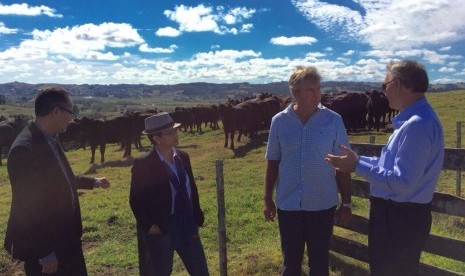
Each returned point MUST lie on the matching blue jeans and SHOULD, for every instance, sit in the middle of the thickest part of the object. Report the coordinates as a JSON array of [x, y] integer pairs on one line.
[[311, 228], [161, 252]]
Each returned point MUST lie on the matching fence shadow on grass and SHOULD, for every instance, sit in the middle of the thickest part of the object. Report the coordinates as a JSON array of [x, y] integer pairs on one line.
[[336, 263]]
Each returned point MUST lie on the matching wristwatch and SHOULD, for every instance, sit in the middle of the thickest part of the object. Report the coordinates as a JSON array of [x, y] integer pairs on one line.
[[346, 205]]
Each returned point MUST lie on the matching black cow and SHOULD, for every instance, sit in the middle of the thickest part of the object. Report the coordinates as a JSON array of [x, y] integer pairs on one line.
[[9, 129], [114, 130], [378, 108]]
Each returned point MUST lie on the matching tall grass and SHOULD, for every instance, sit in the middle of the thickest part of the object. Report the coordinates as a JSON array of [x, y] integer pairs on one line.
[[253, 244]]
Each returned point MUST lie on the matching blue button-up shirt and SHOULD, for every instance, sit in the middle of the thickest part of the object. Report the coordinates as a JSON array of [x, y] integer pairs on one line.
[[306, 182], [410, 163]]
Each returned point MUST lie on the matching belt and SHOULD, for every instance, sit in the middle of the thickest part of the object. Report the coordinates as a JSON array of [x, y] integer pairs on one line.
[[391, 202]]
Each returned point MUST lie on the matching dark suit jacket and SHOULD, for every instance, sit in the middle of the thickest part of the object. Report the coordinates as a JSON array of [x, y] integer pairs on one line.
[[42, 214], [150, 197]]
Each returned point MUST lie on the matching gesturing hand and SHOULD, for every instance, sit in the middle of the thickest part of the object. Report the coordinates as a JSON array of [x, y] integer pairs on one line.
[[343, 163]]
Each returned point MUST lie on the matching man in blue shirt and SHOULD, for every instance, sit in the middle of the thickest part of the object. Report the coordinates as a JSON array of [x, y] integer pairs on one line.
[[403, 179], [306, 186]]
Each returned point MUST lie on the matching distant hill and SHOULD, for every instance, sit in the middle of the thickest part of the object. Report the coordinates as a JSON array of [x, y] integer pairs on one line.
[[198, 90]]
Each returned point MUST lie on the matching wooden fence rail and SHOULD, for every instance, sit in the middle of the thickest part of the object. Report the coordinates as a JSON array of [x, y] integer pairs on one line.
[[442, 203]]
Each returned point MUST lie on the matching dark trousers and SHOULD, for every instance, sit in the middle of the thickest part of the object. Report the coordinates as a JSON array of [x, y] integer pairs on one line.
[[70, 260], [311, 228], [397, 234], [160, 249]]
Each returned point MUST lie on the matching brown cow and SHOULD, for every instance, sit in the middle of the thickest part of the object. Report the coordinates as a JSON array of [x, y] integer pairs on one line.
[[351, 106]]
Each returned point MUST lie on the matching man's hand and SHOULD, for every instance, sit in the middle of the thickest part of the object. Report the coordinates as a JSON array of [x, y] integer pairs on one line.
[[101, 182], [343, 216], [154, 230], [343, 163], [269, 209], [50, 266]]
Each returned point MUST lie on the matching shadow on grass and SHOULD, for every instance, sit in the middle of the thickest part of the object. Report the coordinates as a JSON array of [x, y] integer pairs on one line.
[[336, 263], [256, 142], [189, 146], [127, 162]]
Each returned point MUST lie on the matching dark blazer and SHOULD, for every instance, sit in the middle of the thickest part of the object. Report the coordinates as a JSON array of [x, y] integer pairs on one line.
[[42, 214], [150, 197]]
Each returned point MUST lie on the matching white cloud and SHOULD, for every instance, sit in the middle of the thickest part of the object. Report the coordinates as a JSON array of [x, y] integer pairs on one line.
[[25, 9], [193, 19], [145, 48], [208, 19], [237, 15], [87, 41], [292, 41], [435, 58], [168, 31], [329, 49], [349, 53], [6, 30], [447, 80], [246, 28], [331, 18], [445, 48], [447, 70], [394, 24]]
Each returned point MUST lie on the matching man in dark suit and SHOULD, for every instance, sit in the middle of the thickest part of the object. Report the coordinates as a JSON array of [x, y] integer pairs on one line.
[[44, 229], [165, 202]]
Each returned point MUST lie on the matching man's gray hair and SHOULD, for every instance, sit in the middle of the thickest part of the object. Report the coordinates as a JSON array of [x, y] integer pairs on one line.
[[411, 74]]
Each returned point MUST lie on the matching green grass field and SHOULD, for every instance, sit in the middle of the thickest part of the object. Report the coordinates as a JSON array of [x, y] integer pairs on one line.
[[253, 244]]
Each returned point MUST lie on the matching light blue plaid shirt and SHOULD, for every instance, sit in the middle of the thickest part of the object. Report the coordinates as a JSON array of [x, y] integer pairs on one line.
[[306, 182], [411, 161]]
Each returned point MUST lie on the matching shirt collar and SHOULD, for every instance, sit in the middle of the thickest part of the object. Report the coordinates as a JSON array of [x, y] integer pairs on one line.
[[48, 137], [412, 109], [161, 156], [289, 109]]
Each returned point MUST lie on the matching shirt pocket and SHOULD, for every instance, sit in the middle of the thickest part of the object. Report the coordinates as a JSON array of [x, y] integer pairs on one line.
[[321, 141]]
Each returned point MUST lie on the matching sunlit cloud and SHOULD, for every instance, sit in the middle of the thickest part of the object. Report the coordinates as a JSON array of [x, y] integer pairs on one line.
[[145, 48], [26, 10], [210, 19], [6, 30], [294, 40], [396, 24], [168, 31]]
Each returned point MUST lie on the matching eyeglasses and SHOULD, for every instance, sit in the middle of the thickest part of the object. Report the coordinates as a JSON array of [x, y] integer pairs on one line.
[[67, 110], [384, 85]]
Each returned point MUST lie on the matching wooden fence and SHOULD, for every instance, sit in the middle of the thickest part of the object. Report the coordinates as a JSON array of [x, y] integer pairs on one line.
[[442, 203]]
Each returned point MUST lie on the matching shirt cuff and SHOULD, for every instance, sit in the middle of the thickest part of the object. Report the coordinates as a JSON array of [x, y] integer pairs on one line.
[[50, 257], [363, 168]]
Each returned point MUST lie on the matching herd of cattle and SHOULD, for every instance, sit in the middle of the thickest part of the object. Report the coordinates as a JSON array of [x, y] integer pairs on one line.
[[246, 117]]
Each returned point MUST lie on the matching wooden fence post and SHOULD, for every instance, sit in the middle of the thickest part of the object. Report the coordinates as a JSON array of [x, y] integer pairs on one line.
[[221, 218], [458, 173]]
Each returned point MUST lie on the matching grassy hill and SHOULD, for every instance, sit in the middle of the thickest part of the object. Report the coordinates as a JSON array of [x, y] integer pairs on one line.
[[253, 244]]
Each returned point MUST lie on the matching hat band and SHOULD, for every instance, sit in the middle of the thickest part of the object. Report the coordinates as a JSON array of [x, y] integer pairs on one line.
[[160, 128]]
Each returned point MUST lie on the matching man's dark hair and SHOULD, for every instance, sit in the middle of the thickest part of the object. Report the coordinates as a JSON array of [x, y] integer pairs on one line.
[[49, 98]]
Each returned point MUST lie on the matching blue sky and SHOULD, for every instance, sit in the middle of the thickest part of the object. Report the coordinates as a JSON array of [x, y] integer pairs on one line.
[[256, 41]]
